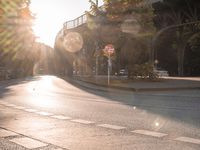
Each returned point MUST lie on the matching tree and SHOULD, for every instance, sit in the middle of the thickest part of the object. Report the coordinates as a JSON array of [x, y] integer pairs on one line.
[[17, 38], [121, 23], [181, 12]]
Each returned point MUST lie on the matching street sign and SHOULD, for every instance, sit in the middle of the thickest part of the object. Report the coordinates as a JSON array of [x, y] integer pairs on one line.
[[109, 49]]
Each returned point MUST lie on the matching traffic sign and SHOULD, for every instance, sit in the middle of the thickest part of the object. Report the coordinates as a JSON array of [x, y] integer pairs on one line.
[[109, 49]]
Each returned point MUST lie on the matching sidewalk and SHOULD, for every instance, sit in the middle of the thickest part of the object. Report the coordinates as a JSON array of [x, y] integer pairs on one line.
[[122, 83]]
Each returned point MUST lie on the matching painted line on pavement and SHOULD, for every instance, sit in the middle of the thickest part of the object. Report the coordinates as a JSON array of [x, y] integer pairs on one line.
[[150, 133], [19, 107], [44, 113], [30, 110], [10, 105], [109, 126], [28, 143], [5, 133], [61, 117], [82, 121], [188, 140], [3, 103]]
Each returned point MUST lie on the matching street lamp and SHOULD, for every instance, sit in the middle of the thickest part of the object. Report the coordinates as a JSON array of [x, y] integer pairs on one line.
[[162, 31]]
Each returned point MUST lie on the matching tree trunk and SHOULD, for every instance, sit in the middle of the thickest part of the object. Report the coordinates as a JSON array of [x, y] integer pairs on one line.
[[181, 55]]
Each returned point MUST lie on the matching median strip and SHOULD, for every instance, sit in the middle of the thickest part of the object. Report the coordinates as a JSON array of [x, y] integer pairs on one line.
[[149, 133]]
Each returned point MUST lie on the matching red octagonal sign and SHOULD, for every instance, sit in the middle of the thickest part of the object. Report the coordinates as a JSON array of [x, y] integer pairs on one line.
[[109, 49]]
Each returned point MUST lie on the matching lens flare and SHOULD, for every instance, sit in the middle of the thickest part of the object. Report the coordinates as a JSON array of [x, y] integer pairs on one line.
[[73, 42]]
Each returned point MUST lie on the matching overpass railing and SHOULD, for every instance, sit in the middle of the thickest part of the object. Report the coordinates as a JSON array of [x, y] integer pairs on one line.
[[76, 22], [83, 19]]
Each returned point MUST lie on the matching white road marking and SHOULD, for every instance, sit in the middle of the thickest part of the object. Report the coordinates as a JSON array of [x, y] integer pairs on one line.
[[188, 140], [19, 107], [109, 126], [149, 133], [44, 113], [3, 103], [30, 110], [82, 121], [28, 143], [61, 117], [10, 105], [5, 133]]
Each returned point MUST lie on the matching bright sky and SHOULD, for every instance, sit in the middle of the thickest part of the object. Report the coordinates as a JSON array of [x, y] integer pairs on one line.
[[51, 14]]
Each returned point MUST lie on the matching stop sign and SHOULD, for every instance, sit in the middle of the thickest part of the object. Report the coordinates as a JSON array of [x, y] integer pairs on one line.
[[109, 49]]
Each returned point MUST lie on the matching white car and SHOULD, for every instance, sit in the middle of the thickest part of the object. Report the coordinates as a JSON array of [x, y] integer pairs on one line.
[[161, 73]]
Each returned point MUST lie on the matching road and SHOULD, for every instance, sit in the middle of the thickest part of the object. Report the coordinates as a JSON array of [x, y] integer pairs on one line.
[[49, 113]]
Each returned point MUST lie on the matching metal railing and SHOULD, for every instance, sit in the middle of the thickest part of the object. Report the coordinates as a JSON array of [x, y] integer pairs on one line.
[[76, 22], [83, 19]]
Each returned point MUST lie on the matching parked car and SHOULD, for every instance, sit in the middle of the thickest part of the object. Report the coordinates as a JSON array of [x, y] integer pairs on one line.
[[161, 72], [123, 72]]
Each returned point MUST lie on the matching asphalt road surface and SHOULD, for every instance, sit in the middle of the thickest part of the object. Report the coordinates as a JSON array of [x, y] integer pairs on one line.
[[49, 113]]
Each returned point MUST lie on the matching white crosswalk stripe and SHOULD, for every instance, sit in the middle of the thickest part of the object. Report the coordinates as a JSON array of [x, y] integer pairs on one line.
[[19, 107], [82, 121], [61, 117], [109, 126], [149, 133], [30, 110], [188, 140], [10, 105], [44, 113]]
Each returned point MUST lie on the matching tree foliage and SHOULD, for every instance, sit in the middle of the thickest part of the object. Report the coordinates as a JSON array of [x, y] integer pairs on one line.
[[17, 39], [177, 13]]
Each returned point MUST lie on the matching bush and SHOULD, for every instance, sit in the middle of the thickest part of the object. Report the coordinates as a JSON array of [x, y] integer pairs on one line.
[[144, 71]]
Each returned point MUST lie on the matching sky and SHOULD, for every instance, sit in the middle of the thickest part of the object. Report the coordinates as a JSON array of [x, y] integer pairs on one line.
[[51, 14]]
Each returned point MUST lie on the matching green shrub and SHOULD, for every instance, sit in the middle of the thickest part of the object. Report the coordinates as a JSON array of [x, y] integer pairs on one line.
[[143, 71]]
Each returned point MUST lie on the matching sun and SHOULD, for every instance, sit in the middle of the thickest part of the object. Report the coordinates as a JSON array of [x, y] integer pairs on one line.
[[47, 22], [51, 14]]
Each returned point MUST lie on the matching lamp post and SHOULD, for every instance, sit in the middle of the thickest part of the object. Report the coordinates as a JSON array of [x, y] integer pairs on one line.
[[161, 32]]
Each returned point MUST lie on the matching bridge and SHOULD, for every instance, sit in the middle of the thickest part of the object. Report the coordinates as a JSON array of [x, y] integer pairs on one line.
[[77, 23], [83, 18]]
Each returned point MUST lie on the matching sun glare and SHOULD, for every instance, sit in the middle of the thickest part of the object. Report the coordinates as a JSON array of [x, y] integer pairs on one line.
[[51, 14], [45, 25]]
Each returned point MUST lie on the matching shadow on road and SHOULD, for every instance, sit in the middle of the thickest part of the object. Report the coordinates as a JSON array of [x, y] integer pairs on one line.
[[184, 109], [5, 86]]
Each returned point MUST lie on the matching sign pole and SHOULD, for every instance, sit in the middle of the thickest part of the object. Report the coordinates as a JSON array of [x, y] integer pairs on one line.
[[109, 69], [109, 50]]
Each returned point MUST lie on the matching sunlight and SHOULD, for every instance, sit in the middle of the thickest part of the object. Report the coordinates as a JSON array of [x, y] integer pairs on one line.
[[39, 90], [46, 82], [46, 23], [51, 14]]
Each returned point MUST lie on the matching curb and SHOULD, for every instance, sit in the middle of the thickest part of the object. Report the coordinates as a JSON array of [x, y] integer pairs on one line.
[[131, 88]]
